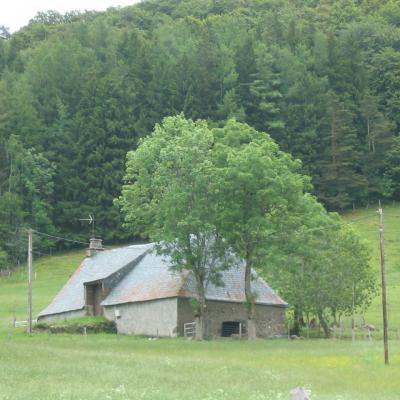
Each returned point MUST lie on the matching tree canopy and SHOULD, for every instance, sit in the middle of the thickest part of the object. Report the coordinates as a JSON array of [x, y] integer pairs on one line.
[[169, 196], [321, 77], [215, 197]]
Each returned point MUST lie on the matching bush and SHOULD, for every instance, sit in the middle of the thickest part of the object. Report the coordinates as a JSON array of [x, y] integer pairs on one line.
[[78, 326]]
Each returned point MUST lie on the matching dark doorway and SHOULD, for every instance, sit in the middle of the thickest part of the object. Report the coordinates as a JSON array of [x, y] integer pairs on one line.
[[230, 328], [94, 298]]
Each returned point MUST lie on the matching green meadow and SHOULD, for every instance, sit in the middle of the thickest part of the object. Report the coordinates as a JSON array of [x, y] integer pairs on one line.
[[106, 366], [366, 222], [117, 367]]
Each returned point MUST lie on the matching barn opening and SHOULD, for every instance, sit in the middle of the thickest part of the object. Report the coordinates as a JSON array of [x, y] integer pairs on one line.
[[94, 296], [230, 328]]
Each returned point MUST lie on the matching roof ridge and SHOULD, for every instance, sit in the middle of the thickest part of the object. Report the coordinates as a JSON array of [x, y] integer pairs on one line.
[[133, 263], [124, 271]]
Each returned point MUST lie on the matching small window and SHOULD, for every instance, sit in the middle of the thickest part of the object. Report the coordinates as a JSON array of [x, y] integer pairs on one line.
[[230, 328]]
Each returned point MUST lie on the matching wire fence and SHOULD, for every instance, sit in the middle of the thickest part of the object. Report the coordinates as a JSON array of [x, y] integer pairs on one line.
[[344, 330]]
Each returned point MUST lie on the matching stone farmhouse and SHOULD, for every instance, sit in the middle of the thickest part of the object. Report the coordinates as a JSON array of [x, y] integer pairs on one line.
[[134, 287]]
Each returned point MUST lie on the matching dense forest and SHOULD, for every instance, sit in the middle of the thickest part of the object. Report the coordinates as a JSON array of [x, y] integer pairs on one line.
[[77, 91]]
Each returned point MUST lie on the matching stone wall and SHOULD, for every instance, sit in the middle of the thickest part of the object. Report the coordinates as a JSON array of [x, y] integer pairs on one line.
[[165, 317], [63, 316], [270, 320], [149, 318]]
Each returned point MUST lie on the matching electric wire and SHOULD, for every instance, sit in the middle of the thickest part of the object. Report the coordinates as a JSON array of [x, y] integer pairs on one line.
[[269, 236], [59, 238]]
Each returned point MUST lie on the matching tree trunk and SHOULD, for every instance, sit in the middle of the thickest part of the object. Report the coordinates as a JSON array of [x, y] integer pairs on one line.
[[250, 302], [199, 327], [297, 315], [251, 329], [333, 137], [334, 316], [369, 137], [324, 324], [201, 313]]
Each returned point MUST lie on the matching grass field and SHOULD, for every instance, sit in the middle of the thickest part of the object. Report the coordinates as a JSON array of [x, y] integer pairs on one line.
[[118, 367], [103, 366], [366, 223]]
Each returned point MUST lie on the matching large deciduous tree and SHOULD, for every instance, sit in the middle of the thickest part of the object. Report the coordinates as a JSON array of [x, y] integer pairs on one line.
[[206, 194], [211, 197], [327, 271], [259, 187], [168, 196]]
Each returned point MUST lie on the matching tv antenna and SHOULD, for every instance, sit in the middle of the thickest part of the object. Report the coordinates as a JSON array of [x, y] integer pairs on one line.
[[90, 220]]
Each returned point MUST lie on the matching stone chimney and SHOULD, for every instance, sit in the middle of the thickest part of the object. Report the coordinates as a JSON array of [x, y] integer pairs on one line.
[[94, 247]]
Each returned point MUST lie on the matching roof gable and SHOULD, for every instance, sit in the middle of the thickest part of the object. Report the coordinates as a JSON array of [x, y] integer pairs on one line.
[[95, 268]]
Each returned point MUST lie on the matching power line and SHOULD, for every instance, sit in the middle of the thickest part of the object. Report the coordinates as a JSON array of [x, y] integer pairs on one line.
[[360, 218], [41, 253], [25, 230], [271, 235], [321, 228], [60, 238]]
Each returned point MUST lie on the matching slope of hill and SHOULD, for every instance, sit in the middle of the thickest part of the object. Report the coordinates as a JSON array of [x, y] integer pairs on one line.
[[52, 272], [366, 222]]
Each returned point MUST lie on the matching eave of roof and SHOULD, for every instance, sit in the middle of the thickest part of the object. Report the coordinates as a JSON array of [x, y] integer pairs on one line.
[[261, 303]]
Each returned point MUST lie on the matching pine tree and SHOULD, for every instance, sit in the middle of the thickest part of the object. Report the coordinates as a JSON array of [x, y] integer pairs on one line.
[[340, 181], [378, 139]]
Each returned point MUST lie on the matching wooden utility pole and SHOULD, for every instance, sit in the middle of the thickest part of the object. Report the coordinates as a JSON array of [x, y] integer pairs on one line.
[[353, 327], [384, 302], [29, 329]]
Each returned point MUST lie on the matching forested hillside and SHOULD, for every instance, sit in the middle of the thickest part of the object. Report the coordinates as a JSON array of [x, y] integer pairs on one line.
[[77, 91]]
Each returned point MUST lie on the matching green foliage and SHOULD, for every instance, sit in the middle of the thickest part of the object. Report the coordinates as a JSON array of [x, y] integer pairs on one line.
[[392, 170], [25, 199], [169, 196], [326, 273], [321, 77], [258, 187], [80, 326], [340, 183], [203, 194], [3, 259]]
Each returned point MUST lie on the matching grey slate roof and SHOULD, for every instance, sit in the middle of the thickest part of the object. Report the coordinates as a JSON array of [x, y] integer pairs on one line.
[[233, 290], [150, 279], [100, 266]]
